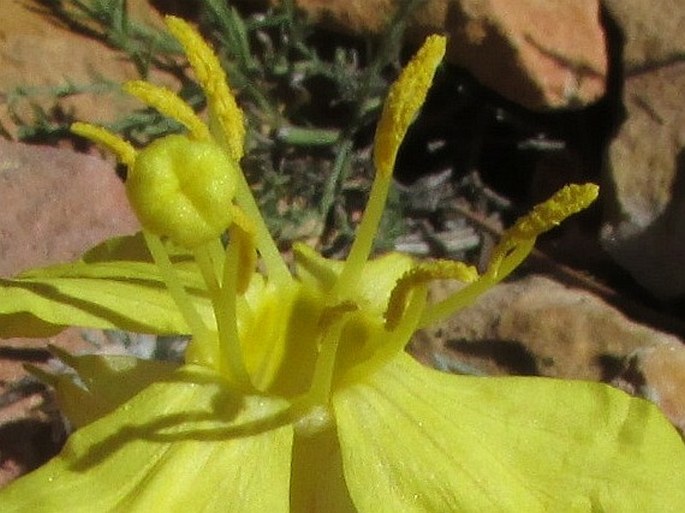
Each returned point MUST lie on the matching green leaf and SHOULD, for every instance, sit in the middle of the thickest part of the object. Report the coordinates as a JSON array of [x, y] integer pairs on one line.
[[167, 450], [100, 291], [416, 440]]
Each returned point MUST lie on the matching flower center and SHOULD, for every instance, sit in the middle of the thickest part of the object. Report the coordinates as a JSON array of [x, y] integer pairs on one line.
[[302, 338]]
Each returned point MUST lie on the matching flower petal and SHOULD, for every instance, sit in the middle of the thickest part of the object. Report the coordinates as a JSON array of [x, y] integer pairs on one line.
[[99, 293], [416, 440], [169, 449], [378, 276], [322, 490], [105, 382]]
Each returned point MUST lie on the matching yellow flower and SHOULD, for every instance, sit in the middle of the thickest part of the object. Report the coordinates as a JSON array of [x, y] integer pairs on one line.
[[296, 394]]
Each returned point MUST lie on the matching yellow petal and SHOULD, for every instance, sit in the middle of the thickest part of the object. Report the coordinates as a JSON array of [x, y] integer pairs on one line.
[[317, 483], [108, 382], [279, 341], [416, 440], [106, 294], [315, 270], [378, 276], [167, 450]]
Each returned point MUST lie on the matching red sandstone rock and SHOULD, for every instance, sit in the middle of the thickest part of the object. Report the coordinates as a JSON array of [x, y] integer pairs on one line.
[[37, 53], [536, 53], [645, 162], [55, 204], [653, 32]]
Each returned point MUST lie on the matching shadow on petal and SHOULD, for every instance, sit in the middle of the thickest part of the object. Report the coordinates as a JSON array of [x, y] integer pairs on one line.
[[192, 405], [186, 444]]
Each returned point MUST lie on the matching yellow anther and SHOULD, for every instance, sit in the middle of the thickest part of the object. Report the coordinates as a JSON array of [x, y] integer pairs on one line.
[[404, 99], [569, 200], [242, 234], [518, 240], [122, 149], [223, 109], [332, 314], [170, 105], [421, 274]]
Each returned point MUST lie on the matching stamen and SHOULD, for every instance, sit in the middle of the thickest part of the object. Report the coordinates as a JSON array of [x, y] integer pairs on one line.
[[567, 201], [419, 275], [210, 74], [333, 314], [224, 303], [515, 245], [238, 264], [231, 135], [364, 238], [405, 98], [204, 261], [518, 240], [197, 327], [440, 311], [331, 323], [122, 149], [169, 104], [401, 335], [275, 266], [218, 255], [507, 256], [311, 263]]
